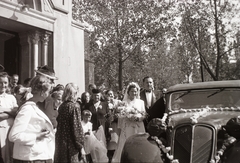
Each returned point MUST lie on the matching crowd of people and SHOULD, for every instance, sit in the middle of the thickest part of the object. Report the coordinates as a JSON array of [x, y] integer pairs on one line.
[[44, 123]]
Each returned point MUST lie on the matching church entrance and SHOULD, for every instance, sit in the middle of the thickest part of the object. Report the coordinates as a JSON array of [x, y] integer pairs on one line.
[[23, 48], [10, 53]]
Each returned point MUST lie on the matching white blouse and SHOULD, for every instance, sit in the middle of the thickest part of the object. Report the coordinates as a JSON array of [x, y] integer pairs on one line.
[[87, 127], [7, 103]]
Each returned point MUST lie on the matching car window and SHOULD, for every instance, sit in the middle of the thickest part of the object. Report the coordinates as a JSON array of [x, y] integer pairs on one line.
[[213, 98]]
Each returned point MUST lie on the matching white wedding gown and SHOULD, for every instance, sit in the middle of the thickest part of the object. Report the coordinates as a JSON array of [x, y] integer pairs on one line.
[[128, 128]]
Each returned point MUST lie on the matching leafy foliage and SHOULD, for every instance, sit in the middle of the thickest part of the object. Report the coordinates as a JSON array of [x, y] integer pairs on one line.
[[168, 40]]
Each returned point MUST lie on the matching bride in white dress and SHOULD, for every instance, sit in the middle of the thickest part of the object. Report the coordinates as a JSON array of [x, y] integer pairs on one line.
[[127, 126]]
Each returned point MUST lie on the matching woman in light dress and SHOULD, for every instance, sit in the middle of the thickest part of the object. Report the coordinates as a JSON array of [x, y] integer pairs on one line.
[[129, 127], [8, 108]]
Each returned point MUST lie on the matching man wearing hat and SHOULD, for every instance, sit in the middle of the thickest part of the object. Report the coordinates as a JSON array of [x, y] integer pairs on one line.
[[47, 106], [148, 149]]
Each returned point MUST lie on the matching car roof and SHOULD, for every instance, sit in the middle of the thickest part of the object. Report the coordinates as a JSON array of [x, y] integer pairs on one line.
[[205, 85]]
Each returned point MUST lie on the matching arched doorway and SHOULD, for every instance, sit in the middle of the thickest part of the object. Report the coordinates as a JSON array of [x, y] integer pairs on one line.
[[23, 48], [9, 51]]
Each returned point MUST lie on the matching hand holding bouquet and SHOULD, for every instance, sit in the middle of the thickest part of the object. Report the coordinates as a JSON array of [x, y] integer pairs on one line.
[[133, 114], [119, 111]]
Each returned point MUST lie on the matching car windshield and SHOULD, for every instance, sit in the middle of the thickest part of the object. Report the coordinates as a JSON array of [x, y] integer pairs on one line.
[[214, 98]]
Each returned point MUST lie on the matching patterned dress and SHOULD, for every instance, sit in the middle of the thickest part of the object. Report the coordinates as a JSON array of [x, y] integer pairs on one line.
[[69, 135]]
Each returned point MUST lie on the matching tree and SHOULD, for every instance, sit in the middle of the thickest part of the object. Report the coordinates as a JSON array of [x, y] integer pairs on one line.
[[174, 42], [123, 32], [211, 33]]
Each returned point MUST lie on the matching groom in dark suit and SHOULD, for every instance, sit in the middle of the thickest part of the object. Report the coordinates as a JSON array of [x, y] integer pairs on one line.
[[147, 95]]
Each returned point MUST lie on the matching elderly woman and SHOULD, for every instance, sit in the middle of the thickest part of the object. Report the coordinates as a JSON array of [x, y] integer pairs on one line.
[[8, 107], [32, 131], [69, 135]]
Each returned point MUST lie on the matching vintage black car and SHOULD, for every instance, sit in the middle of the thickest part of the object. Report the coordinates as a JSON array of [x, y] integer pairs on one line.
[[196, 115], [201, 124]]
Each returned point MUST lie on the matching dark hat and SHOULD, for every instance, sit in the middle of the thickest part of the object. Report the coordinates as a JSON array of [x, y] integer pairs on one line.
[[59, 87], [156, 126], [1, 68], [96, 91], [46, 71], [232, 127]]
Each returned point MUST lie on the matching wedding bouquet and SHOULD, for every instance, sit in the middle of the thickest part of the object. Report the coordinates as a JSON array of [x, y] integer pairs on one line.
[[119, 111], [112, 109], [131, 113]]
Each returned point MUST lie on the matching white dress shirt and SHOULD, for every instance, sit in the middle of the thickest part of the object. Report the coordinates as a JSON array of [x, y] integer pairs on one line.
[[149, 98]]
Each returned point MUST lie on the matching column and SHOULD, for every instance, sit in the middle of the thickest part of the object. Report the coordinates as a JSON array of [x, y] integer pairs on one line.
[[45, 40], [34, 37], [25, 61]]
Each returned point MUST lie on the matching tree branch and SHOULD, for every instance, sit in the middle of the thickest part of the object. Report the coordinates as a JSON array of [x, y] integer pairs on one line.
[[199, 52]]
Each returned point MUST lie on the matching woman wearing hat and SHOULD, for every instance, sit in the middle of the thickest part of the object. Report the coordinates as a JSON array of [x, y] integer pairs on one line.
[[98, 109], [48, 105], [32, 132]]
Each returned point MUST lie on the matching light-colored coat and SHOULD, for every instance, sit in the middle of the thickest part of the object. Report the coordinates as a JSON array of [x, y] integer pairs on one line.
[[30, 121]]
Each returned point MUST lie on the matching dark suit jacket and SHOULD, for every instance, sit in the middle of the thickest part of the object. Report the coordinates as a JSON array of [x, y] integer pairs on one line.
[[98, 115], [144, 98], [232, 153], [157, 110], [147, 108], [47, 106]]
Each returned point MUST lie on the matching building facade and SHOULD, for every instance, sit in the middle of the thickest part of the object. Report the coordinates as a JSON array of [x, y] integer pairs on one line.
[[42, 32]]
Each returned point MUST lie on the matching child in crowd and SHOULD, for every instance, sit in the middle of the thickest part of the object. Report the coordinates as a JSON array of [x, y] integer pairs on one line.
[[95, 149]]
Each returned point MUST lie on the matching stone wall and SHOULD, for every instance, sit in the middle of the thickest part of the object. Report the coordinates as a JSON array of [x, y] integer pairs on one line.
[[89, 64]]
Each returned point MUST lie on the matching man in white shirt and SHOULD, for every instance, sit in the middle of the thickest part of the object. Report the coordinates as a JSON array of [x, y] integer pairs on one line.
[[147, 94]]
